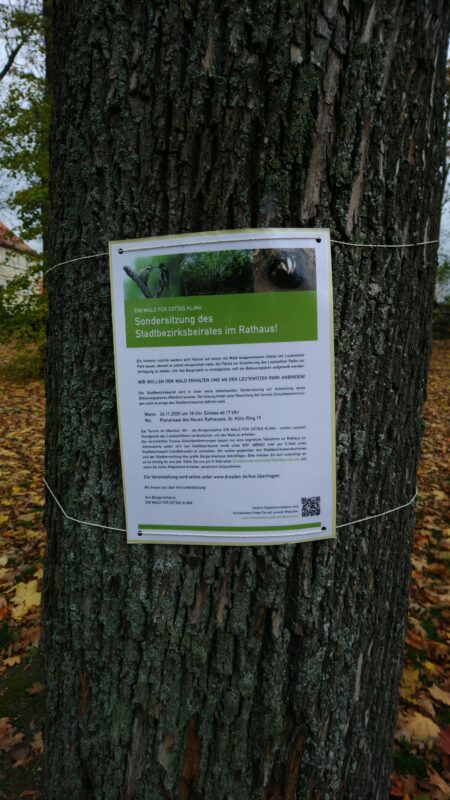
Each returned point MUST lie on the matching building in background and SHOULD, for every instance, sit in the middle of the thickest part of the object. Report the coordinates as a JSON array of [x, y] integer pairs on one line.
[[15, 256]]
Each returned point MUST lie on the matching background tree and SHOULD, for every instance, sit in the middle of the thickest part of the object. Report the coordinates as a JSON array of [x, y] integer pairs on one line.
[[20, 23], [189, 672], [24, 116], [24, 124]]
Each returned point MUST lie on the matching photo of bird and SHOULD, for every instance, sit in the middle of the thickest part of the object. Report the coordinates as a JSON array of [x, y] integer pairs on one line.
[[142, 279], [164, 277]]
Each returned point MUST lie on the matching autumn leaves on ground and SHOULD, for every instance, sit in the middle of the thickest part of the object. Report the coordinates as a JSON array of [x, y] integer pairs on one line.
[[21, 561], [422, 754]]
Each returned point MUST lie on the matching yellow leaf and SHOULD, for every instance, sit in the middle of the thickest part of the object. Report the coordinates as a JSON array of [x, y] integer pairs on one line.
[[409, 682], [37, 744], [421, 729], [439, 694], [3, 518], [439, 495], [11, 661], [26, 597], [3, 561], [37, 499], [430, 666]]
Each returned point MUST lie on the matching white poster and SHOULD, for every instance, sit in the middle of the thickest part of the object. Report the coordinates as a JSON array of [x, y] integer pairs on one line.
[[225, 386]]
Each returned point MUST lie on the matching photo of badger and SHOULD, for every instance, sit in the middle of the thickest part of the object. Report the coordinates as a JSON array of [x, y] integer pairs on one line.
[[284, 270]]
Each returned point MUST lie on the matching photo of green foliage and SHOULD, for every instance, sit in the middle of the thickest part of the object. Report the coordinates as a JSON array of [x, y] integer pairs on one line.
[[218, 272]]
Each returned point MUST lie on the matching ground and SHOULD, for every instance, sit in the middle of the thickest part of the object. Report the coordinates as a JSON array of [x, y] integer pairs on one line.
[[422, 753], [21, 561]]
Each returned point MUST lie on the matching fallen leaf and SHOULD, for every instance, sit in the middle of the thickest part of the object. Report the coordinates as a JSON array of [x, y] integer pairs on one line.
[[36, 688], [26, 597], [8, 737], [439, 694], [424, 702], [430, 666], [396, 788], [420, 729], [409, 682], [3, 608], [21, 757], [416, 639], [410, 784], [29, 637], [438, 649], [439, 495], [37, 744], [419, 563], [444, 740], [436, 780], [12, 661]]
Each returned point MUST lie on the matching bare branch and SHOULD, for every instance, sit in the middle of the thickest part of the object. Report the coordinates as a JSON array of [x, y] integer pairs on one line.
[[9, 63], [138, 280]]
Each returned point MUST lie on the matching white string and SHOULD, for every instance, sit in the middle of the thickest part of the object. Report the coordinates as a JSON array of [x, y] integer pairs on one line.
[[223, 241], [71, 260], [80, 521], [247, 238], [382, 514], [109, 528]]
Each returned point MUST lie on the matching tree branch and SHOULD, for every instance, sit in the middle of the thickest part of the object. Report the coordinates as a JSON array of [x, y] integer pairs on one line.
[[11, 58], [142, 285]]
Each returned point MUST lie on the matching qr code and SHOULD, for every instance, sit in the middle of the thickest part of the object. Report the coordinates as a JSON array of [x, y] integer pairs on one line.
[[310, 506]]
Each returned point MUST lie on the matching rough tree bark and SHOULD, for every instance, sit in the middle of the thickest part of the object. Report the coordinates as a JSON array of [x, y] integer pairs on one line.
[[227, 673]]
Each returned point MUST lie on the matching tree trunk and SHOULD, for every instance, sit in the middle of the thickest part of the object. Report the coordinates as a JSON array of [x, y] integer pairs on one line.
[[264, 673]]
